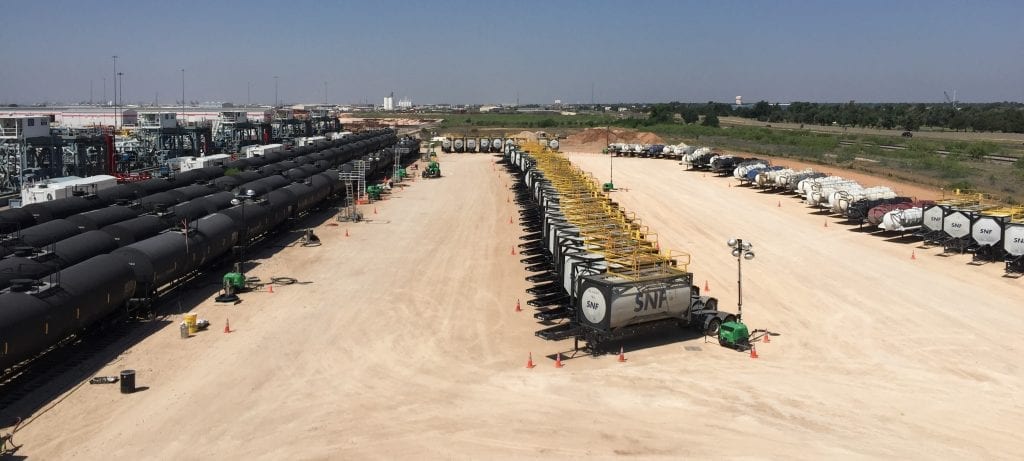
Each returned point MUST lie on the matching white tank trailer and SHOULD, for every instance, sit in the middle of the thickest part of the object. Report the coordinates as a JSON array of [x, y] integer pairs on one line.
[[987, 236], [609, 304], [932, 223], [902, 220], [767, 179], [742, 169], [459, 145], [471, 145], [446, 145], [485, 145], [699, 158], [840, 200], [605, 306], [795, 182], [496, 144], [1013, 245], [819, 193], [957, 229]]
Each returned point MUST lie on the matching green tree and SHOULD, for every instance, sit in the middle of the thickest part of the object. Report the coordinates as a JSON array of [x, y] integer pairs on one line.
[[690, 115], [660, 113], [710, 120]]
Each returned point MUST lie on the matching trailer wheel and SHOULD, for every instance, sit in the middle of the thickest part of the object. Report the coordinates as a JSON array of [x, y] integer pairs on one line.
[[712, 327]]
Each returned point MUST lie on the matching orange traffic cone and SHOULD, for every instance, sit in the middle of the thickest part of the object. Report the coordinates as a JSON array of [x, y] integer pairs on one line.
[[270, 288], [767, 337], [558, 360], [780, 204], [913, 255], [707, 289], [374, 210], [826, 223], [227, 325], [529, 361], [753, 352], [510, 220], [518, 309], [346, 232], [513, 250], [622, 355]]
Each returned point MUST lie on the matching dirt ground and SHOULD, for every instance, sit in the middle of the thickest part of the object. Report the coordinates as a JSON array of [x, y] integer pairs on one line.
[[403, 342]]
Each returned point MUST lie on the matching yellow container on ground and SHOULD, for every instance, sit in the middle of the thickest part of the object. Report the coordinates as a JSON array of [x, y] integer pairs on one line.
[[190, 320]]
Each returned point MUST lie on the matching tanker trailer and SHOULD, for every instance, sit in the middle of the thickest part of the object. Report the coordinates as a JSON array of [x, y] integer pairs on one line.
[[611, 306], [1013, 245]]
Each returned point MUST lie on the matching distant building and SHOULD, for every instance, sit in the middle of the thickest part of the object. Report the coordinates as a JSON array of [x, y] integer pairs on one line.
[[405, 103], [389, 102]]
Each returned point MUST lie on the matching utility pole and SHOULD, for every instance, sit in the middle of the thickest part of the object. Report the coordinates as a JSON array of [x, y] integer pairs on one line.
[[120, 90], [325, 93], [275, 91], [248, 91], [115, 92], [90, 92], [183, 97]]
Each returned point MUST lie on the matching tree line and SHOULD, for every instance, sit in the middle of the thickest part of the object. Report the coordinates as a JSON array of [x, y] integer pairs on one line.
[[1007, 117]]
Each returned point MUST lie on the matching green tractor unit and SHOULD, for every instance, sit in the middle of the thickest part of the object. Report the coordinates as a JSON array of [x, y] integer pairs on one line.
[[734, 335], [374, 191], [433, 170]]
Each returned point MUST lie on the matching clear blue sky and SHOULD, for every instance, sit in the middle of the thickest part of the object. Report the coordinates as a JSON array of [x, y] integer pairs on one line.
[[490, 51]]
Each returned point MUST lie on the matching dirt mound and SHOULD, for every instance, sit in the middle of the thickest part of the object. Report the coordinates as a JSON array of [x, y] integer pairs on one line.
[[598, 138]]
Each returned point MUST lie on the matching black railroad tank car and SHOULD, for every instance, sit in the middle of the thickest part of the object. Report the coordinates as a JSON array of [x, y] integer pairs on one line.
[[52, 231], [89, 291], [23, 328], [81, 247], [36, 315], [62, 208], [135, 229], [96, 219]]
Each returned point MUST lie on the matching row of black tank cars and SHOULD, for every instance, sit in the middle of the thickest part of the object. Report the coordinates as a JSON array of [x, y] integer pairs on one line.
[[962, 222], [70, 263]]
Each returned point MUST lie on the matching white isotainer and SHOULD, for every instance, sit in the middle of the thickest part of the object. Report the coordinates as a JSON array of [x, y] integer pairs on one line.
[[987, 230], [1013, 239], [932, 219], [957, 225]]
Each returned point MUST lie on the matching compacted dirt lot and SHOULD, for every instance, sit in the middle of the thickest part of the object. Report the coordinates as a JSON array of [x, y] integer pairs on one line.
[[401, 341]]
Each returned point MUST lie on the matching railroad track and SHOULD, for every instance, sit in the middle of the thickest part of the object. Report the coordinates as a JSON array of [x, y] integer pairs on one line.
[[991, 158], [60, 369]]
